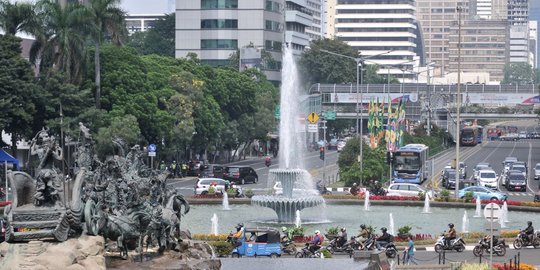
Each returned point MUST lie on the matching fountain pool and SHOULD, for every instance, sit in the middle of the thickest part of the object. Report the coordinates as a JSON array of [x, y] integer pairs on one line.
[[348, 216]]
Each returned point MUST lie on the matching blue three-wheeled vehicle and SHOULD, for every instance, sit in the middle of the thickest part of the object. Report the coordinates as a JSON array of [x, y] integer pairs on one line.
[[258, 242]]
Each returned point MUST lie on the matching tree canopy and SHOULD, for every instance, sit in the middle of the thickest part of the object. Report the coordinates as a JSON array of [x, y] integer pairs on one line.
[[518, 73]]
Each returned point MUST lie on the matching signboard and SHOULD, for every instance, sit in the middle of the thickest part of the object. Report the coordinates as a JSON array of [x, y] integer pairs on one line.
[[313, 118], [250, 58], [312, 128], [367, 97], [330, 115], [152, 148], [151, 154], [277, 112], [494, 227], [500, 98], [492, 211]]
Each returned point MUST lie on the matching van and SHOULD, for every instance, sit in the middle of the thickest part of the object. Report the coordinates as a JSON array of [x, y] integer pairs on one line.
[[212, 171]]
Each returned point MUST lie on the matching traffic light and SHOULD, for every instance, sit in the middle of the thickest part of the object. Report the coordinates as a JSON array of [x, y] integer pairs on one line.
[[321, 153], [388, 157]]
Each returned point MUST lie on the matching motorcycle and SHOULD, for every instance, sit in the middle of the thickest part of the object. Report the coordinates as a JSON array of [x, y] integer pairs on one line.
[[522, 240], [369, 244], [288, 247], [322, 189], [333, 246], [455, 244], [268, 162], [390, 250], [306, 253], [377, 191], [499, 247]]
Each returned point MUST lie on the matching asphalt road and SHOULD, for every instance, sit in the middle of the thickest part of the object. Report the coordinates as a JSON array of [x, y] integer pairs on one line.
[[311, 160]]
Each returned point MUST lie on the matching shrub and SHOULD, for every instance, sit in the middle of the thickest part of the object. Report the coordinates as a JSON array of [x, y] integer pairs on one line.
[[445, 193], [474, 266], [332, 231], [249, 193], [221, 248], [209, 237], [231, 192], [509, 233], [326, 253], [211, 190], [521, 266], [298, 230], [404, 230], [468, 196], [421, 196]]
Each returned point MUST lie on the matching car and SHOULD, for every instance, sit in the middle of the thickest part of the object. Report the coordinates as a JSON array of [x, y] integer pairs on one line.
[[202, 185], [534, 135], [479, 167], [537, 171], [449, 178], [341, 145], [516, 181], [522, 135], [484, 193], [487, 178], [406, 189], [333, 144], [537, 196], [519, 167], [212, 170], [509, 137], [240, 174], [507, 163]]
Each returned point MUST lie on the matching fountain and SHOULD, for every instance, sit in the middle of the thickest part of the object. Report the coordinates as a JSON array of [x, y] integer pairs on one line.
[[505, 212], [226, 201], [214, 229], [297, 220], [478, 212], [366, 201], [391, 227], [501, 221], [298, 188], [465, 223], [427, 209]]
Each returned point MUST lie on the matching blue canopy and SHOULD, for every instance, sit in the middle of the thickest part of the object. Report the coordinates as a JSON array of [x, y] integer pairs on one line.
[[5, 157]]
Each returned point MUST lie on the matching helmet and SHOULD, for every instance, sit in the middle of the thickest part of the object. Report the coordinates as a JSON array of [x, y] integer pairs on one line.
[[363, 226], [283, 229], [451, 225], [343, 229], [317, 232], [355, 184], [383, 229], [529, 223]]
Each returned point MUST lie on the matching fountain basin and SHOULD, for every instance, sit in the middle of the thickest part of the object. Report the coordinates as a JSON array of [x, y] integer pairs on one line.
[[285, 207]]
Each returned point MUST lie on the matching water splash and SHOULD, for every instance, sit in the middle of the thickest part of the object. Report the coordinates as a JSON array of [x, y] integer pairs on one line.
[[391, 227], [366, 201], [505, 212], [297, 220], [478, 212], [214, 229], [465, 222], [226, 201], [427, 208]]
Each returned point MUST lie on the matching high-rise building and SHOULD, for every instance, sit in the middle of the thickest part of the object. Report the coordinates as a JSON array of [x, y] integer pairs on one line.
[[386, 31], [316, 30], [298, 18], [533, 43], [436, 17], [534, 15], [216, 29], [488, 9]]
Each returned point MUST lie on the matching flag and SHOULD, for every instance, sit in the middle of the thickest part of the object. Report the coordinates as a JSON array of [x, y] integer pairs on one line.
[[388, 132]]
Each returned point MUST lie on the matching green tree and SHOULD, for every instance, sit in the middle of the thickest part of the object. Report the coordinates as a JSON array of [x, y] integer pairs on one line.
[[16, 17], [60, 39], [374, 165], [18, 90], [518, 73], [107, 21], [156, 40], [122, 128]]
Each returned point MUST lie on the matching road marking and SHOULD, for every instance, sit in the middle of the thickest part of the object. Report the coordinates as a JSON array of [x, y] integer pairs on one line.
[[529, 166]]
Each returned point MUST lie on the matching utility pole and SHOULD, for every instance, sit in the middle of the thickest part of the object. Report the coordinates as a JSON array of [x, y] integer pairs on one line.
[[458, 101], [325, 146], [429, 103]]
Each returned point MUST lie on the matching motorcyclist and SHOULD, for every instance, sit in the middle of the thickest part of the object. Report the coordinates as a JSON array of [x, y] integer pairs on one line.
[[384, 239], [450, 235], [364, 233], [529, 231], [321, 187], [235, 237], [268, 161], [342, 237], [354, 189], [316, 243], [286, 234]]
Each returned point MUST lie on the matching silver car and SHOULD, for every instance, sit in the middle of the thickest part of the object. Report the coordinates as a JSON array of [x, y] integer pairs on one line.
[[537, 171]]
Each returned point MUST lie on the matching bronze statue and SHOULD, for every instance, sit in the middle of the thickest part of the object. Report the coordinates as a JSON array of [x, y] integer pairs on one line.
[[48, 178]]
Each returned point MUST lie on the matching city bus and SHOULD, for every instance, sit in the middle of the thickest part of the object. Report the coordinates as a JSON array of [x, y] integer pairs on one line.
[[471, 135], [411, 165]]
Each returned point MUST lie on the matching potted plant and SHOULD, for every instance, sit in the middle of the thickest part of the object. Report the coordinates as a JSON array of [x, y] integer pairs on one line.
[[468, 196], [421, 196], [404, 231], [211, 190], [249, 193], [331, 233], [445, 194], [231, 192]]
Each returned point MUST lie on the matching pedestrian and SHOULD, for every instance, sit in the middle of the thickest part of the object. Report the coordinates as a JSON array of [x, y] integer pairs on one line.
[[184, 169], [173, 168], [410, 251]]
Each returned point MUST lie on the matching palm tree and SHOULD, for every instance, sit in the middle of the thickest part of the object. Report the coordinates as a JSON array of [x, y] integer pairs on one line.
[[60, 38], [17, 17], [108, 23]]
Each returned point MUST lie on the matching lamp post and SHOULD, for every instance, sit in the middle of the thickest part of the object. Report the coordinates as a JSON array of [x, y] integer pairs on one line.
[[458, 101], [359, 116]]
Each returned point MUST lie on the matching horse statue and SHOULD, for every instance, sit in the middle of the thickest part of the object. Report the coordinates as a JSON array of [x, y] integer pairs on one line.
[[165, 225]]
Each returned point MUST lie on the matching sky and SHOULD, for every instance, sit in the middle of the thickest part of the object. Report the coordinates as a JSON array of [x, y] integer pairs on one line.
[[148, 6]]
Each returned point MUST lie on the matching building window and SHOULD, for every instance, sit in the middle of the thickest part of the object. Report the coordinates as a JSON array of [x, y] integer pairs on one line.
[[216, 62], [271, 45], [272, 26], [273, 6], [223, 24], [219, 4], [219, 44]]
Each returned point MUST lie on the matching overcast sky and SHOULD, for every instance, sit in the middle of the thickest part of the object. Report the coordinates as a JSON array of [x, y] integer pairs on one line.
[[148, 6]]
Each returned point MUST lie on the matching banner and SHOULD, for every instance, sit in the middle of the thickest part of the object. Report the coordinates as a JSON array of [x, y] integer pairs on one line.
[[500, 98], [250, 58], [367, 97]]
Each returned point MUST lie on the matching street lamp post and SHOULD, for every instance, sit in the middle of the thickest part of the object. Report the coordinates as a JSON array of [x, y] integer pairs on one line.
[[458, 101]]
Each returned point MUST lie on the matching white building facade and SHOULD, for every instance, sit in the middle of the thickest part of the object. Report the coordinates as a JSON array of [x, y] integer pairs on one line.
[[386, 32]]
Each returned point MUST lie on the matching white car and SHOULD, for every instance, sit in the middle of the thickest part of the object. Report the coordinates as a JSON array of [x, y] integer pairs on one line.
[[479, 167], [523, 135], [537, 171], [341, 145], [405, 189], [487, 178], [202, 185]]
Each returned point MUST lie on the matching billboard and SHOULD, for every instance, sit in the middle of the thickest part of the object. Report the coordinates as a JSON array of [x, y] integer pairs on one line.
[[250, 58], [501, 98], [367, 97]]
